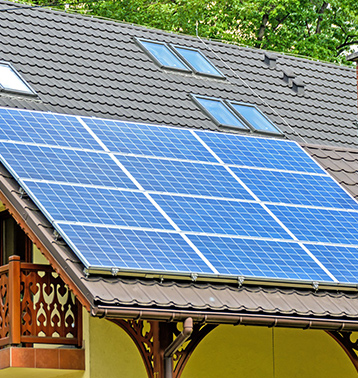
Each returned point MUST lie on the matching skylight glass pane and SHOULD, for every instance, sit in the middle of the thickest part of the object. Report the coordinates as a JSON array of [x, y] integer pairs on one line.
[[253, 116], [163, 54], [220, 112], [198, 61], [11, 81]]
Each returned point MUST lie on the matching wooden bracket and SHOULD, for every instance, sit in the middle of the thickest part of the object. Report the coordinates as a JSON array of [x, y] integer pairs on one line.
[[153, 337], [344, 339]]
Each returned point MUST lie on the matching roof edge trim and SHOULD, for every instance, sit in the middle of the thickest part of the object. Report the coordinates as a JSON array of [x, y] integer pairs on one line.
[[326, 324]]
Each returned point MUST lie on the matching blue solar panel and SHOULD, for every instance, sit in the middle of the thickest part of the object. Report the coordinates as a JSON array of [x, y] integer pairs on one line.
[[96, 205], [56, 164], [258, 258], [184, 177], [341, 261], [132, 138], [108, 222], [259, 152], [220, 216], [44, 128], [132, 249], [319, 225], [295, 188]]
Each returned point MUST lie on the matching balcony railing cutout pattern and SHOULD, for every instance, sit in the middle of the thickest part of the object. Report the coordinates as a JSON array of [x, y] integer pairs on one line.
[[37, 307]]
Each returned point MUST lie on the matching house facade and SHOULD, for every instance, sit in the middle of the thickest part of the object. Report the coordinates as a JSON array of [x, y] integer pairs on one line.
[[60, 320]]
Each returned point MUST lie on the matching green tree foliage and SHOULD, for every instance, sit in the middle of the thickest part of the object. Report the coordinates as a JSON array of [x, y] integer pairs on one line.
[[314, 28]]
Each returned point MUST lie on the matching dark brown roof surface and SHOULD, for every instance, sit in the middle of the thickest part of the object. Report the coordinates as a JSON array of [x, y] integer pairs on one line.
[[86, 66], [216, 297], [340, 163]]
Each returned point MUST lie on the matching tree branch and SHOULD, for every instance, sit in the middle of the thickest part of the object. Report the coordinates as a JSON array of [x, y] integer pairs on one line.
[[320, 18], [280, 21]]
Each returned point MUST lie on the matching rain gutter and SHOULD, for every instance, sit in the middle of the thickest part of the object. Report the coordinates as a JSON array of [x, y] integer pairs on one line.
[[303, 322]]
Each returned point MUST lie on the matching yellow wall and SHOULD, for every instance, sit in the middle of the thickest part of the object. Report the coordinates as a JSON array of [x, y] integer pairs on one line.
[[247, 352], [110, 352]]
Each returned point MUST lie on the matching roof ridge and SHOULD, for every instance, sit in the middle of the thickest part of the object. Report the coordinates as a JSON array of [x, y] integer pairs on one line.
[[74, 14]]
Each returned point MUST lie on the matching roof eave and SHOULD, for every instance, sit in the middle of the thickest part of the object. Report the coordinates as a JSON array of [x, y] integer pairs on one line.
[[266, 320]]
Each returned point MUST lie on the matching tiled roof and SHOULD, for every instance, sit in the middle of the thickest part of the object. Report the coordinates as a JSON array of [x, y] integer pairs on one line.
[[219, 297], [82, 65], [340, 163], [85, 66]]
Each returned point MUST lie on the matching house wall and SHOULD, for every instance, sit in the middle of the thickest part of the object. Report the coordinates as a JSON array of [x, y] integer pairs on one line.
[[110, 352], [252, 352]]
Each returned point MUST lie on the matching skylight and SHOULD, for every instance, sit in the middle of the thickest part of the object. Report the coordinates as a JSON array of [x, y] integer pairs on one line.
[[11, 81], [219, 112], [236, 115], [255, 119], [163, 55], [197, 61], [179, 58]]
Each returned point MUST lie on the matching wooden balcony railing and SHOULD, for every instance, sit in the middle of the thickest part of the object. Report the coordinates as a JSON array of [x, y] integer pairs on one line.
[[36, 306]]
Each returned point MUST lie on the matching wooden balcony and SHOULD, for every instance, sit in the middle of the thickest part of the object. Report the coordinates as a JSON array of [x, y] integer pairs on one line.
[[37, 307]]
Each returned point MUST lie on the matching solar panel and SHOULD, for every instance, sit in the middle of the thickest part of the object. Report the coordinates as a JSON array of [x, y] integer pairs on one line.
[[259, 152], [296, 188], [340, 260], [139, 139], [44, 128], [68, 203], [64, 165], [132, 249], [217, 216], [145, 198], [319, 225], [184, 177], [258, 258]]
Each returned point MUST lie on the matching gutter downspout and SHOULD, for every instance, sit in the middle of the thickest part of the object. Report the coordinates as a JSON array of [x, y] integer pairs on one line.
[[174, 346]]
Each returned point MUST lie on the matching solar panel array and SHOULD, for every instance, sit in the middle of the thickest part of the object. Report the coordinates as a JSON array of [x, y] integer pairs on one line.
[[144, 198]]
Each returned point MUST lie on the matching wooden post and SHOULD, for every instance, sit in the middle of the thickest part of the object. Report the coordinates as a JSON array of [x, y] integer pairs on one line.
[[14, 300]]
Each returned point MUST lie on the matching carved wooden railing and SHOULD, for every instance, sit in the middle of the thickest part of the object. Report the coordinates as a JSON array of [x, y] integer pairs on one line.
[[36, 306]]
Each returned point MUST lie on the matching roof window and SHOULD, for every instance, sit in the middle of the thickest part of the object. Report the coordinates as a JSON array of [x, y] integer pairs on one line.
[[219, 112], [197, 61], [179, 58], [163, 55], [255, 119], [11, 81], [236, 115]]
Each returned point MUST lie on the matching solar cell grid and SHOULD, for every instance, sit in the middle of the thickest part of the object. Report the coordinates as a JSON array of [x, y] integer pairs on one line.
[[56, 164], [133, 138], [341, 261], [184, 177], [44, 128], [84, 186], [258, 258], [220, 216], [295, 188], [132, 249], [259, 152], [319, 225], [96, 205]]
